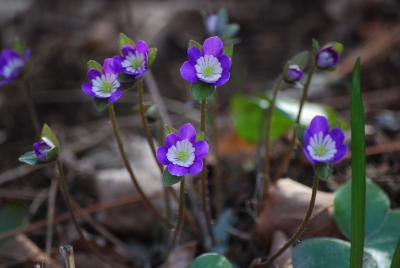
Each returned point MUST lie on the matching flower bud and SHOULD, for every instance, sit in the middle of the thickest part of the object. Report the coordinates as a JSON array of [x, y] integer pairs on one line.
[[293, 74], [328, 56], [45, 150]]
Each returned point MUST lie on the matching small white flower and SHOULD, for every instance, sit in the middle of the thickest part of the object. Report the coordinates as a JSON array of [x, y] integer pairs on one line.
[[181, 154], [11, 66], [135, 62], [322, 148], [105, 85], [208, 68]]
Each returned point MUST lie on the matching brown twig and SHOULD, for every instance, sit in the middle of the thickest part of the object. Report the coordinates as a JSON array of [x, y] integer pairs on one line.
[[180, 213]]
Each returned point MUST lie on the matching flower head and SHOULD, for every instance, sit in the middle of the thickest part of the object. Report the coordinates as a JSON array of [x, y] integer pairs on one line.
[[328, 56], [209, 65], [104, 84], [293, 74], [134, 59], [324, 145], [182, 154], [42, 148], [11, 65]]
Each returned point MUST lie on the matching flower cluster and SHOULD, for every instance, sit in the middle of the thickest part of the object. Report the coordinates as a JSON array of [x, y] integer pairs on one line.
[[182, 154], [11, 65], [324, 145]]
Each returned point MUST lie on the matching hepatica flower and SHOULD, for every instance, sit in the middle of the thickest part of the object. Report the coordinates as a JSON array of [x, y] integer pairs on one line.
[[182, 154], [324, 145], [328, 56], [104, 84], [11, 65], [208, 65], [134, 59], [293, 74], [42, 148]]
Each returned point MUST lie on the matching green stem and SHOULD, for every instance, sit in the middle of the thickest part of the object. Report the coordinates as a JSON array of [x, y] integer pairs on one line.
[[270, 111], [128, 167], [298, 233], [203, 180], [286, 159], [180, 213], [217, 170], [396, 257], [31, 107]]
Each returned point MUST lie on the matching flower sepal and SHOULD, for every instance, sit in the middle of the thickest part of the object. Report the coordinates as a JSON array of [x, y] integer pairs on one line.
[[92, 64], [100, 104], [193, 43], [125, 40], [201, 91], [323, 170], [170, 179], [152, 56]]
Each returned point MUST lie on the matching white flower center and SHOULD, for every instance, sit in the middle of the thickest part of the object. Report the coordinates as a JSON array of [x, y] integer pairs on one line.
[[181, 154], [135, 62], [208, 68], [322, 148], [11, 66], [105, 85]]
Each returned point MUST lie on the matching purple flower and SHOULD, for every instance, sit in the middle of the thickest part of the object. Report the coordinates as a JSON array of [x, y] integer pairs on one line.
[[42, 148], [11, 65], [208, 65], [134, 60], [212, 24], [181, 153], [328, 57], [105, 84], [322, 145], [294, 74]]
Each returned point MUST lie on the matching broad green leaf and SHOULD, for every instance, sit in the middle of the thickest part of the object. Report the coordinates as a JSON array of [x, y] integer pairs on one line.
[[220, 230], [152, 56], [170, 179], [377, 205], [193, 43], [48, 133], [29, 158], [125, 40], [228, 50], [100, 104], [211, 260], [12, 216], [92, 64], [300, 59], [201, 91]]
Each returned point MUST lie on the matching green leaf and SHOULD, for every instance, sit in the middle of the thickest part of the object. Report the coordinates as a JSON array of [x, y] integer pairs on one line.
[[315, 46], [300, 59], [377, 206], [49, 134], [92, 64], [321, 252], [358, 191], [201, 91], [396, 257], [169, 130], [323, 170], [125, 40], [12, 216], [152, 56], [19, 48], [100, 104], [200, 136], [211, 260], [220, 230], [228, 50], [29, 158], [229, 31], [193, 43], [170, 179]]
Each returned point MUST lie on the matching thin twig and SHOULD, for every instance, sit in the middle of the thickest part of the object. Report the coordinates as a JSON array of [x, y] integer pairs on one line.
[[31, 107], [50, 215]]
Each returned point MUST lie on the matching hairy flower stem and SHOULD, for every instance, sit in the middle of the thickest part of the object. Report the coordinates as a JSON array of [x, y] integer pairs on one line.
[[299, 232], [145, 124], [31, 107], [270, 111], [128, 167], [203, 180], [286, 159], [180, 213], [217, 169]]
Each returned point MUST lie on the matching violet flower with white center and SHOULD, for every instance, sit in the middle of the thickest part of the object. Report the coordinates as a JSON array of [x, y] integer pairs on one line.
[[293, 74], [182, 154], [42, 148], [134, 59], [324, 145], [209, 65], [328, 56], [104, 85], [11, 65]]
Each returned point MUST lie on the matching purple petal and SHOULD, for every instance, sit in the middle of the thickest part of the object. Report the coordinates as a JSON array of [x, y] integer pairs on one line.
[[162, 155], [223, 79], [307, 137], [118, 62], [226, 62], [9, 54], [193, 53], [188, 72], [196, 167], [92, 74], [187, 131], [340, 154], [201, 150], [309, 157], [87, 89], [4, 82], [177, 170], [115, 96], [337, 135], [109, 66], [319, 124], [127, 49], [27, 54], [171, 139], [213, 46], [142, 47]]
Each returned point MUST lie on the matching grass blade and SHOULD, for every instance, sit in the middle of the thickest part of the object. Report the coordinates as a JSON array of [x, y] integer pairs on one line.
[[357, 171], [396, 257]]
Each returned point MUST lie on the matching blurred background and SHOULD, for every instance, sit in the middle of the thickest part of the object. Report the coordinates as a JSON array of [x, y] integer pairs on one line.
[[64, 34]]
